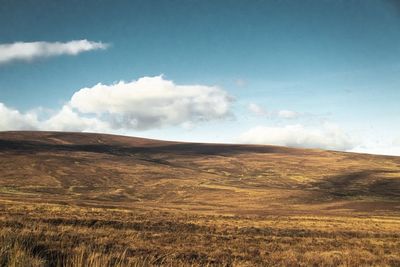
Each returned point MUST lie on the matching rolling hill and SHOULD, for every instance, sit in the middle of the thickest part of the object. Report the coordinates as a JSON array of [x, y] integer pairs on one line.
[[116, 171], [80, 199]]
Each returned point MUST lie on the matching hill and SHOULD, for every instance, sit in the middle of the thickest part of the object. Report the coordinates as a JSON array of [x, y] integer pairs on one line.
[[80, 199], [107, 170]]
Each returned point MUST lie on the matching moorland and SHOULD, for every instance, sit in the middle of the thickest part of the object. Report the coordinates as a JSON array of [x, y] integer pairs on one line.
[[81, 199]]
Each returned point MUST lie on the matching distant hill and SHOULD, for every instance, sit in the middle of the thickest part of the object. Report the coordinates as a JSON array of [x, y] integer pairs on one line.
[[116, 171]]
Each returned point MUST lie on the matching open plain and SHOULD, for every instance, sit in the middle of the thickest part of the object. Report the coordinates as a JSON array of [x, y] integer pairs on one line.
[[80, 199]]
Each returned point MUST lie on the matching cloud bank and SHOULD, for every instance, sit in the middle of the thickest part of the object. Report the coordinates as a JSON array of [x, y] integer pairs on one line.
[[147, 103], [328, 137], [28, 51], [155, 102]]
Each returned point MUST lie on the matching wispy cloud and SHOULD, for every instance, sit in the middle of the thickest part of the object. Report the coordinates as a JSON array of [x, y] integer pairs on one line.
[[261, 111], [257, 109], [27, 51]]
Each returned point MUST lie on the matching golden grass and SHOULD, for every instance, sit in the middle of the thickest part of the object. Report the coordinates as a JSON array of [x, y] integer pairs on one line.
[[98, 200], [58, 235], [102, 170]]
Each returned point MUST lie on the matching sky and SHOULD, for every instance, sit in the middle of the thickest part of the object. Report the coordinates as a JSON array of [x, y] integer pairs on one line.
[[313, 73]]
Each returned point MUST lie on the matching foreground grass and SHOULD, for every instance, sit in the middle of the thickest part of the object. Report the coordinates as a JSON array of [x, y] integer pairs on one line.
[[57, 235]]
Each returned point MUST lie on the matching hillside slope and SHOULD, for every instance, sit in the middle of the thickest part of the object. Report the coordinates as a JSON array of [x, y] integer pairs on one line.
[[114, 171]]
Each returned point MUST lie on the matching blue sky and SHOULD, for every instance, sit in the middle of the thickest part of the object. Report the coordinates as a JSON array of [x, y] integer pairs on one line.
[[307, 73]]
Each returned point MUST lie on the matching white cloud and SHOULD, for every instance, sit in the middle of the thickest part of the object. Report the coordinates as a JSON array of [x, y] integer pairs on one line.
[[149, 102], [381, 149], [64, 120], [382, 145], [152, 102], [28, 51], [69, 120], [327, 137], [11, 119]]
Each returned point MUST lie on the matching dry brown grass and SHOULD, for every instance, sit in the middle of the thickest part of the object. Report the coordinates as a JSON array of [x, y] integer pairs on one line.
[[57, 235], [97, 200]]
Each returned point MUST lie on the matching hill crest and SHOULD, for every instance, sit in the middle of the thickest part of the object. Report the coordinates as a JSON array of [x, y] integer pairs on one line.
[[118, 171]]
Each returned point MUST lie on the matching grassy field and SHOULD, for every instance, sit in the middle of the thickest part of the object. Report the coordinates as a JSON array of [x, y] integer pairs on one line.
[[72, 199]]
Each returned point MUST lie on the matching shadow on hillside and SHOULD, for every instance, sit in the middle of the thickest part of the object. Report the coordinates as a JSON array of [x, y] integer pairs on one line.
[[361, 183], [185, 148]]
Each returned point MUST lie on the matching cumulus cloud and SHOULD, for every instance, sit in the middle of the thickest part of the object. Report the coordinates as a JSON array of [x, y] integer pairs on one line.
[[69, 120], [28, 51], [328, 137], [152, 102], [12, 119], [65, 119], [149, 102]]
